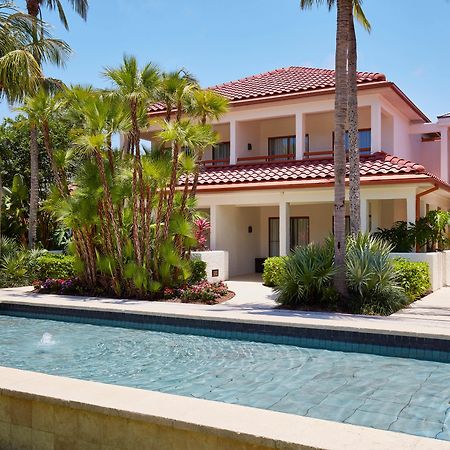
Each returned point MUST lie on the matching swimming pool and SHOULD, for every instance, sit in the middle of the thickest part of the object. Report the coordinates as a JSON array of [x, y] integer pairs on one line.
[[388, 393]]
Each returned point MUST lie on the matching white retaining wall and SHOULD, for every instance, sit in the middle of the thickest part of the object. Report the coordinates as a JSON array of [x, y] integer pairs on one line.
[[216, 260], [438, 262]]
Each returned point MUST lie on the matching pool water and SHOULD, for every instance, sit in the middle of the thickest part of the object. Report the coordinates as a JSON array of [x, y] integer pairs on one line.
[[387, 393]]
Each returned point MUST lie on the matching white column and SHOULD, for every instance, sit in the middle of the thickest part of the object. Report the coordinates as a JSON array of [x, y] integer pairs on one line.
[[364, 212], [284, 228], [299, 135], [233, 138], [411, 209], [375, 125], [213, 229], [444, 154]]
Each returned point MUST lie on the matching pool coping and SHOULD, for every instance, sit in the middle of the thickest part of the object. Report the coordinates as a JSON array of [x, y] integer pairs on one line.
[[390, 325], [251, 425]]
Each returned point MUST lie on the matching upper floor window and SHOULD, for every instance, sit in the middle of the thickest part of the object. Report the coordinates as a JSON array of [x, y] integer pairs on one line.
[[284, 145], [364, 137], [221, 153]]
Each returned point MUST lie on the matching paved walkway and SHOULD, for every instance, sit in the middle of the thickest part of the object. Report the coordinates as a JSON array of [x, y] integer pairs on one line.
[[256, 303]]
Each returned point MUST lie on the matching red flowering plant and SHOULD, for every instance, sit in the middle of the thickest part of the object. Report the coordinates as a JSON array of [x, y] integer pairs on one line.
[[201, 230]]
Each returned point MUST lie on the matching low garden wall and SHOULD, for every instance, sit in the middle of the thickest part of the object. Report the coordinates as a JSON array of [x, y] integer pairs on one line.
[[43, 412], [216, 264], [438, 262]]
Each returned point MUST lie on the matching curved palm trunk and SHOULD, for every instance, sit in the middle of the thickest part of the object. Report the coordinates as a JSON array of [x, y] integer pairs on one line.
[[34, 187], [354, 168], [343, 14]]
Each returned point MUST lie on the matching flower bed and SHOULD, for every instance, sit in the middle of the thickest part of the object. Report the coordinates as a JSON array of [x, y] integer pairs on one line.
[[201, 292]]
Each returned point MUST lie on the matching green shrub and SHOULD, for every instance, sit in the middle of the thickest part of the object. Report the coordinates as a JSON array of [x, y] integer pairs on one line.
[[307, 276], [401, 237], [17, 264], [414, 277], [371, 276], [54, 266], [198, 271], [273, 270]]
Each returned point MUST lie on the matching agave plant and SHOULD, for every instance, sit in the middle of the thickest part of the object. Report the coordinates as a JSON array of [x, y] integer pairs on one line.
[[307, 276], [371, 276]]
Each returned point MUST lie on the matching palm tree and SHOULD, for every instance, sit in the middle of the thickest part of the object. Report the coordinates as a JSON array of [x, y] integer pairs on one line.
[[34, 8], [205, 105], [352, 114], [137, 87], [345, 111], [80, 6], [176, 91], [40, 109]]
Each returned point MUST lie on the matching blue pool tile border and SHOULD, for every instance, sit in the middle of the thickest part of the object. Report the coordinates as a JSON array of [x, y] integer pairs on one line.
[[405, 346]]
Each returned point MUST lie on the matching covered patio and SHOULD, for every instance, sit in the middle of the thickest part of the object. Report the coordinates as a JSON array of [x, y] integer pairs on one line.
[[257, 211]]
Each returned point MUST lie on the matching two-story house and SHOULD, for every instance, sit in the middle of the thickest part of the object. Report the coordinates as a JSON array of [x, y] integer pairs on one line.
[[268, 185]]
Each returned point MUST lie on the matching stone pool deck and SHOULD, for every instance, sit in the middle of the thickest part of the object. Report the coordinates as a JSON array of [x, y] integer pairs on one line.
[[253, 302]]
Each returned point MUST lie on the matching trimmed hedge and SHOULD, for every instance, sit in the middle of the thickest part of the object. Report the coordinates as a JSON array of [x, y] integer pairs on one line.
[[273, 270], [414, 277], [54, 266]]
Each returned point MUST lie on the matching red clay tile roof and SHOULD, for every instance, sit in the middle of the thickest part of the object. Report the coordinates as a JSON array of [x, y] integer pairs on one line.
[[378, 164], [289, 80]]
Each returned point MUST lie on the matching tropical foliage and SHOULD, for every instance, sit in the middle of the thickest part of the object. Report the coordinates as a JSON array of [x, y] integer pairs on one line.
[[131, 211], [429, 233], [374, 285], [414, 277]]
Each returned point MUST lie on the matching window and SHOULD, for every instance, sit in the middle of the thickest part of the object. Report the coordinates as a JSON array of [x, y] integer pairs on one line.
[[282, 145], [347, 225], [298, 233], [364, 141], [306, 143], [274, 236], [221, 151]]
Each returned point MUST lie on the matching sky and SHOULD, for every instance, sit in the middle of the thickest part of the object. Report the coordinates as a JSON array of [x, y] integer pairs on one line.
[[220, 41]]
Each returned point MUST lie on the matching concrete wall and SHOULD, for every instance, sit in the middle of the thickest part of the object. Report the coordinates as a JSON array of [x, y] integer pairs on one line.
[[215, 260], [438, 262], [233, 236]]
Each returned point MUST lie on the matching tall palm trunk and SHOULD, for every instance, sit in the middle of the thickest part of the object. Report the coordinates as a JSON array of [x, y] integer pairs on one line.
[[354, 169], [1, 202], [343, 14], [34, 186], [33, 10]]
